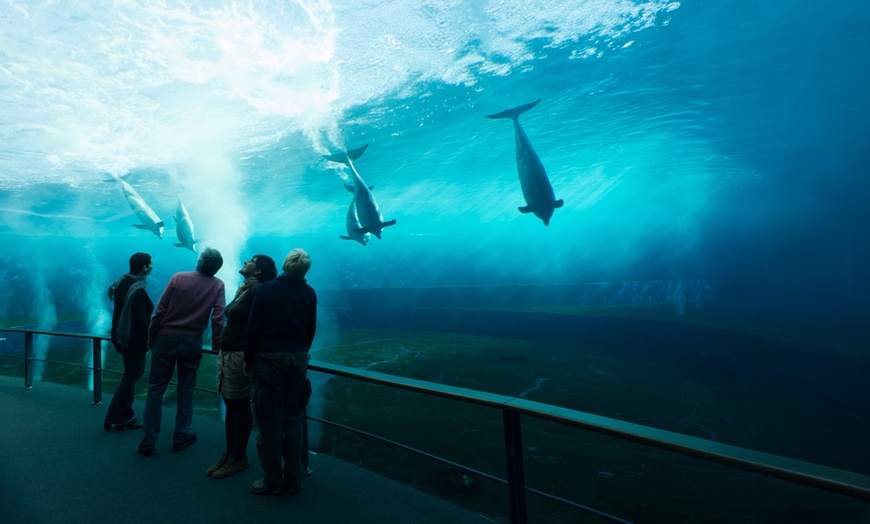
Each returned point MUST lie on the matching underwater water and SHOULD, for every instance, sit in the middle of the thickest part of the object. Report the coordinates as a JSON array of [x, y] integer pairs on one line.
[[706, 272]]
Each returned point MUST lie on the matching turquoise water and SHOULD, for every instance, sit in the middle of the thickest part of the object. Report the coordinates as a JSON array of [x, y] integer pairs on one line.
[[712, 158]]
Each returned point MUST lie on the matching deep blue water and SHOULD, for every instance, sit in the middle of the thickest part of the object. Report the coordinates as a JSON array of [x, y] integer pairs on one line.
[[712, 156]]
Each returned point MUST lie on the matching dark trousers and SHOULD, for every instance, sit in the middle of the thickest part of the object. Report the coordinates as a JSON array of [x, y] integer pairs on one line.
[[121, 408], [169, 351], [238, 425], [281, 392]]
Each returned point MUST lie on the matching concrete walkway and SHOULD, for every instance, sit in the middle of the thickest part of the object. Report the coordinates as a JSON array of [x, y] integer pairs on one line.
[[59, 466]]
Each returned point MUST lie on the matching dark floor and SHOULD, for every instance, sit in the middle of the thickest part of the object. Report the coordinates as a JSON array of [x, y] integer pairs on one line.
[[58, 465]]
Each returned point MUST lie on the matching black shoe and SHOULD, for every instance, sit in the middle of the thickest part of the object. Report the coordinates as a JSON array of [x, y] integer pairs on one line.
[[188, 441], [147, 449], [260, 488], [107, 426], [133, 424]]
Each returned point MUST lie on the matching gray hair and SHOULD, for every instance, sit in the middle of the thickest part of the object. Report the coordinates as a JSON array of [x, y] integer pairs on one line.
[[210, 262], [297, 263]]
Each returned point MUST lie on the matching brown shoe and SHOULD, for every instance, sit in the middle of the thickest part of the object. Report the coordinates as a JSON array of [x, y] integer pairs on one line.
[[217, 465], [232, 466]]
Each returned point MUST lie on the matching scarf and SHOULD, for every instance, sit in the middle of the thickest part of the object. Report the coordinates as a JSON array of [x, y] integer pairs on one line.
[[122, 332], [249, 283]]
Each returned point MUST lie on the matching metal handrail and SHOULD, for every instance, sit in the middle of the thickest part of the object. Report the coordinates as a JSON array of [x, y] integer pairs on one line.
[[801, 472]]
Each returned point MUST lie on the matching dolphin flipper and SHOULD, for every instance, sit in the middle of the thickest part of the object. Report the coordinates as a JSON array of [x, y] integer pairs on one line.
[[526, 209], [389, 223], [140, 226], [179, 245], [515, 112], [558, 203]]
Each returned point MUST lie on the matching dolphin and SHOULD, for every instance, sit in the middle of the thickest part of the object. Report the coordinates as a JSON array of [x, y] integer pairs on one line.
[[353, 225], [537, 190], [184, 227], [144, 213], [370, 218]]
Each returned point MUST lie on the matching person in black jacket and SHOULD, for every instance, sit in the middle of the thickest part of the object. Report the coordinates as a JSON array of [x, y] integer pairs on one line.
[[130, 320], [234, 385], [280, 332]]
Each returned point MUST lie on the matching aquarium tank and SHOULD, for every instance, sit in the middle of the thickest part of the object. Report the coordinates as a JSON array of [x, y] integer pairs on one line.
[[653, 211]]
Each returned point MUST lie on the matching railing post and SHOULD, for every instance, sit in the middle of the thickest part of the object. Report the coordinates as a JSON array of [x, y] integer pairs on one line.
[[513, 446], [28, 360], [98, 371]]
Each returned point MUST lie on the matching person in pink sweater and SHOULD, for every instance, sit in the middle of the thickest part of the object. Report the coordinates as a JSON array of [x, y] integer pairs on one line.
[[175, 336]]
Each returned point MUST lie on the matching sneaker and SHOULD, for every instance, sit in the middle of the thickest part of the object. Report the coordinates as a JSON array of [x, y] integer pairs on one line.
[[259, 487], [147, 449], [231, 467], [189, 440], [307, 472], [217, 465]]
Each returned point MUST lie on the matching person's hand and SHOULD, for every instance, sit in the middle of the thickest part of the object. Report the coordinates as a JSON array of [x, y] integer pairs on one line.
[[216, 343], [248, 369]]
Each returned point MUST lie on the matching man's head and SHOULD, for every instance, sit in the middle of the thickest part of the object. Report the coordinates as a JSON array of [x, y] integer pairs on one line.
[[297, 263], [210, 261], [138, 263]]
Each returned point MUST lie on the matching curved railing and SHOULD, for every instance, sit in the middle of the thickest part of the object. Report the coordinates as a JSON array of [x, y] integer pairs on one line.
[[512, 408]]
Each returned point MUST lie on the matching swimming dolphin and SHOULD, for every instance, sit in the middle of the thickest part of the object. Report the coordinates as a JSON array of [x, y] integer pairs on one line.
[[537, 190], [352, 224], [184, 227], [144, 213], [370, 217]]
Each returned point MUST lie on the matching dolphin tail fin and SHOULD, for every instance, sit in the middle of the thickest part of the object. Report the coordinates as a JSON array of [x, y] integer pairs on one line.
[[525, 209], [558, 203], [345, 157], [515, 112]]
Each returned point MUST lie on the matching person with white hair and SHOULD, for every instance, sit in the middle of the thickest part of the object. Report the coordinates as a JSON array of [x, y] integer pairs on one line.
[[175, 337], [281, 329]]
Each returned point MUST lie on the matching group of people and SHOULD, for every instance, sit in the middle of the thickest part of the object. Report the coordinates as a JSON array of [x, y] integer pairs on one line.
[[263, 359]]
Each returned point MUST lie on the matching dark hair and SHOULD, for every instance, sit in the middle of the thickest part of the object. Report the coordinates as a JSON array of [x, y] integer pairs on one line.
[[210, 261], [138, 261], [266, 266]]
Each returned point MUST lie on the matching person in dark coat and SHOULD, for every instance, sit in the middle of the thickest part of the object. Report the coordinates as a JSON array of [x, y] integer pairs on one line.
[[234, 385], [132, 313], [280, 332]]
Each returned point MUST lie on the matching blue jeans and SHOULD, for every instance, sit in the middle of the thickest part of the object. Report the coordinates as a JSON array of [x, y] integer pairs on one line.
[[281, 393], [169, 350], [121, 408]]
